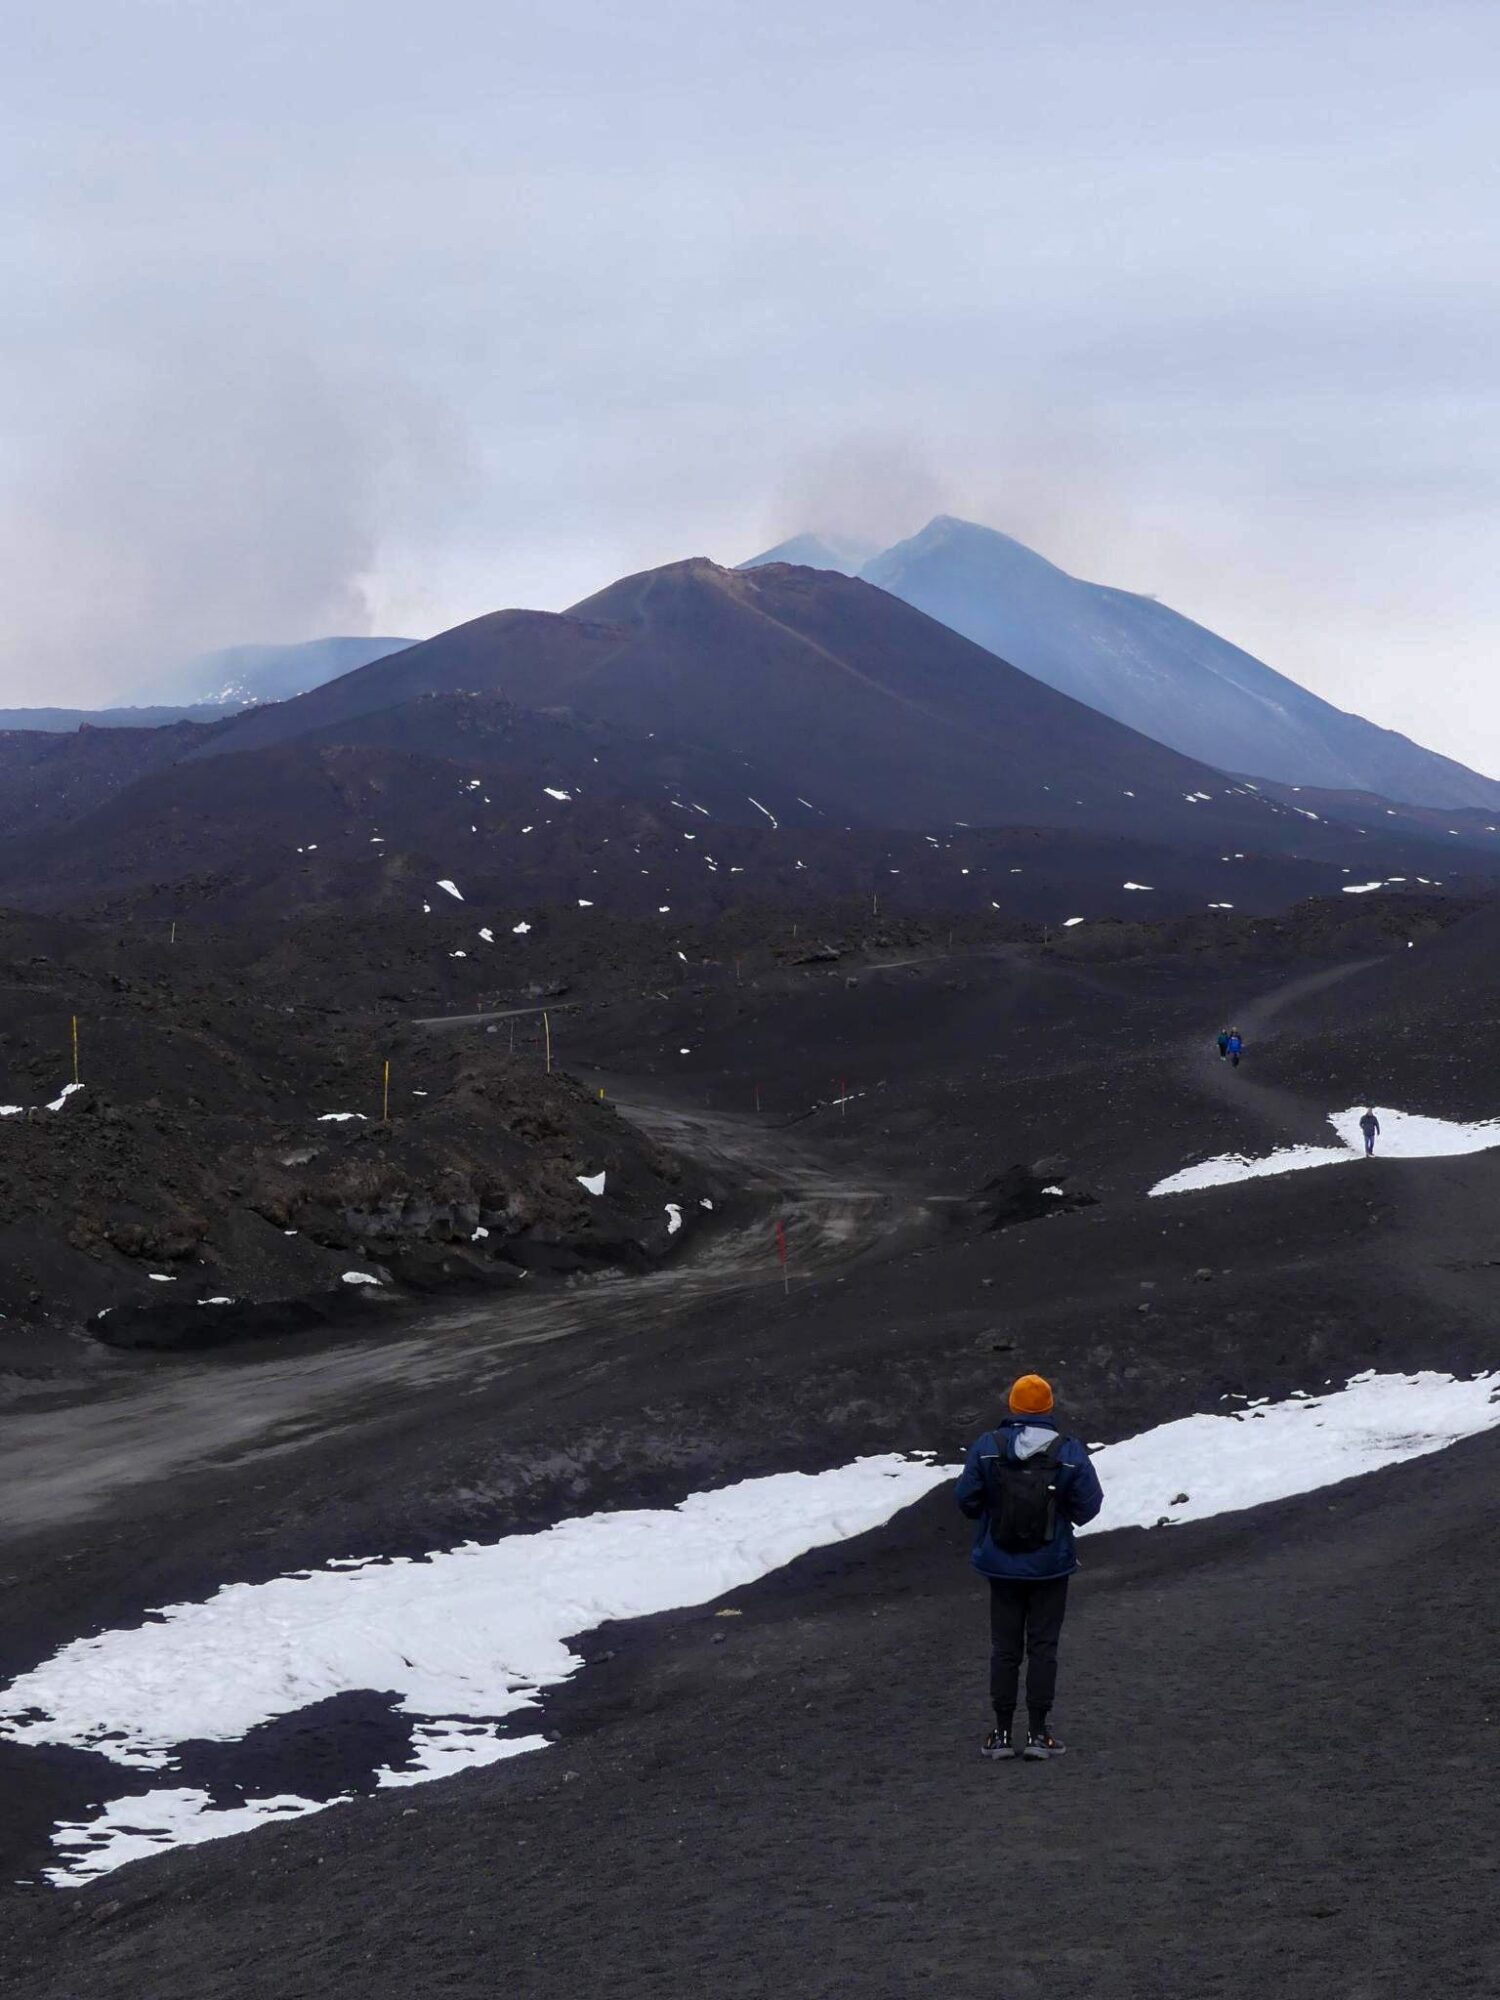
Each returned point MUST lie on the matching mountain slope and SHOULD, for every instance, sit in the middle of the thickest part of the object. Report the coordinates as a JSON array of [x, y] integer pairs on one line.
[[876, 714], [241, 676], [813, 552], [472, 658], [1148, 666], [693, 737], [49, 779], [838, 693], [66, 721]]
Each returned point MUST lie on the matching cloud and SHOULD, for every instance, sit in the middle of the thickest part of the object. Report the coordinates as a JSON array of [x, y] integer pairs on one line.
[[203, 485], [1190, 300], [868, 488]]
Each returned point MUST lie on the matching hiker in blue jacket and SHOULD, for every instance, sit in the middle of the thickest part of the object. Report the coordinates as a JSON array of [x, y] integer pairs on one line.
[[1235, 1047], [1028, 1487]]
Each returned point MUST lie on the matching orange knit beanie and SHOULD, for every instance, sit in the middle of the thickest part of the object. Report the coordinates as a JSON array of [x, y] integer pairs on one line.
[[1030, 1396]]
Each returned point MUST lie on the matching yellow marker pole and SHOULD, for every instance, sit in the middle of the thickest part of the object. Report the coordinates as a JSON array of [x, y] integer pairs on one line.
[[75, 1048], [547, 1032], [386, 1106]]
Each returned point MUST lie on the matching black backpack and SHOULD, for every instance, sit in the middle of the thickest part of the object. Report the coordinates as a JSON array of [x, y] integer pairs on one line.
[[1023, 1500]]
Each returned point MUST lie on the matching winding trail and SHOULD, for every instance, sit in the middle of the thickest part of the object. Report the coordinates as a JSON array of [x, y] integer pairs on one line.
[[156, 1421], [148, 1423], [1287, 1117]]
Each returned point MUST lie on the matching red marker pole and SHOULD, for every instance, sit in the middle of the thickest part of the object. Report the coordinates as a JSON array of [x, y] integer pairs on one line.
[[786, 1283]]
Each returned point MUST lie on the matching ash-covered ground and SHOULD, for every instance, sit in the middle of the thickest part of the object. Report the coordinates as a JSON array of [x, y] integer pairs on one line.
[[1280, 1720]]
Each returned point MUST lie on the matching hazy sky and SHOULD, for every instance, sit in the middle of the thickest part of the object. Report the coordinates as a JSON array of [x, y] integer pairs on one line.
[[323, 316]]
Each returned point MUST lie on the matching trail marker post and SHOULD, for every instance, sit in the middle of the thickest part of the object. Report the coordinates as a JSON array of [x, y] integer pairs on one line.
[[547, 1038], [385, 1094], [781, 1252], [843, 1096], [75, 1048]]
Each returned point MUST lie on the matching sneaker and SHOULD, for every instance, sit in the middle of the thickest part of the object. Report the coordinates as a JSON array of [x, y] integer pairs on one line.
[[997, 1745], [1041, 1744]]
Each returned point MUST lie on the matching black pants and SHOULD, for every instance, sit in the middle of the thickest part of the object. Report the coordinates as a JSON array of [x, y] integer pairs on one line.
[[1025, 1617]]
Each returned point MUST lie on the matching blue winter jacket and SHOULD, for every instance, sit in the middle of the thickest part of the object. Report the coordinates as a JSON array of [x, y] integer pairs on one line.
[[1079, 1498]]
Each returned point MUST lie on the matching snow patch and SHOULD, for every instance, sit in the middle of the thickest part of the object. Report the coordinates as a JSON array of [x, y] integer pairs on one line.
[[465, 1638], [451, 888], [1206, 1465], [360, 1278], [674, 1218], [1404, 1135], [593, 1182], [468, 1637]]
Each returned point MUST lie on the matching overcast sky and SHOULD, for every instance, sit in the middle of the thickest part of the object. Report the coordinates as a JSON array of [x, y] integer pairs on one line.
[[323, 316]]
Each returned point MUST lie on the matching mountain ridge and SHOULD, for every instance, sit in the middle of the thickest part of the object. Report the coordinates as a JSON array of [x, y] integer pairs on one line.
[[1146, 665]]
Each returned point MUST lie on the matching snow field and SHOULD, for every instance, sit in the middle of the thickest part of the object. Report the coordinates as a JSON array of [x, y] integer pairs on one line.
[[467, 1637], [1404, 1135], [1244, 1458]]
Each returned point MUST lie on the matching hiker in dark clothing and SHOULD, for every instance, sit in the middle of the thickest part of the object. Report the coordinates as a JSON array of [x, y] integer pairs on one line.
[[1236, 1048], [1370, 1126], [1223, 1043], [1028, 1487]]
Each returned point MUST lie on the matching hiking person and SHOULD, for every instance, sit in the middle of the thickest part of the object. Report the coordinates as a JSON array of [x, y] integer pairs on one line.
[[1223, 1043], [1235, 1046], [1028, 1486], [1370, 1126]]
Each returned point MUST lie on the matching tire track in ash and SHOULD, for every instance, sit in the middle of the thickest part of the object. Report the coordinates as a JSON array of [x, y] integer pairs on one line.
[[189, 1417]]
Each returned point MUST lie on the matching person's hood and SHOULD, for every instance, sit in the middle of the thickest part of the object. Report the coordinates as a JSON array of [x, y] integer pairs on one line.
[[1029, 1435]]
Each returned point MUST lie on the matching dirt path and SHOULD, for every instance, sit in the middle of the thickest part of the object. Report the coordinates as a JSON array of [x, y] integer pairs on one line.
[[1288, 1117], [161, 1420], [154, 1422]]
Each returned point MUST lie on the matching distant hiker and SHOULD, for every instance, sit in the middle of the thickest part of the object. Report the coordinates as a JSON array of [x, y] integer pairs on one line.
[[1370, 1126], [1223, 1043], [1028, 1487], [1235, 1047]]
